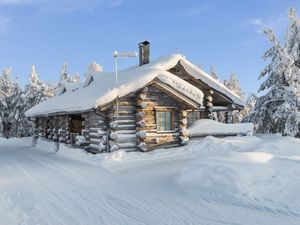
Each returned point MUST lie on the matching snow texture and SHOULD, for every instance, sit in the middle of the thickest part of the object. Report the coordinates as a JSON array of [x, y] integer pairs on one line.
[[214, 181], [205, 127], [100, 88]]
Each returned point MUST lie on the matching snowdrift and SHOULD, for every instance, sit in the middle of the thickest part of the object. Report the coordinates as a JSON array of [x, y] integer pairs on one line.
[[251, 180], [206, 127]]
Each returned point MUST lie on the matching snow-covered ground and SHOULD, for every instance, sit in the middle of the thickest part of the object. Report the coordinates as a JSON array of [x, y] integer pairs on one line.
[[234, 180]]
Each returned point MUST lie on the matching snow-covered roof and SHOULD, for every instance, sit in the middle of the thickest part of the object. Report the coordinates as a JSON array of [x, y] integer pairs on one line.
[[65, 86], [210, 81], [100, 89]]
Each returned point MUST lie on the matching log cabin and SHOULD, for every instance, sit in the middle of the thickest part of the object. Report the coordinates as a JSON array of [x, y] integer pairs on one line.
[[150, 107]]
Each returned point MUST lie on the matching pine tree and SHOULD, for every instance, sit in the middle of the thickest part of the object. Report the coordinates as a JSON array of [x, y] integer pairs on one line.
[[234, 85], [94, 67], [213, 73], [293, 43], [64, 73], [34, 93], [11, 102], [75, 78], [277, 111], [250, 104]]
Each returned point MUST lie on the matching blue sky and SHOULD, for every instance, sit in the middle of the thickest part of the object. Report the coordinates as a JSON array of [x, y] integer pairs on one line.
[[225, 34]]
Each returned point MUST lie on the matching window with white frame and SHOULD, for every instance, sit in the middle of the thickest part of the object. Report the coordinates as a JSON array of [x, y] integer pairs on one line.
[[165, 120]]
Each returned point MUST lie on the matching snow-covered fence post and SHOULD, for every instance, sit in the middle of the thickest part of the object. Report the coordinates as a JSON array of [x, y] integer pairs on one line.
[[209, 104], [141, 134], [183, 134]]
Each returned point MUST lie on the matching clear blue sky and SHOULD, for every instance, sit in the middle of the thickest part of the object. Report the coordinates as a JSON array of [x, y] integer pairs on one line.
[[225, 34]]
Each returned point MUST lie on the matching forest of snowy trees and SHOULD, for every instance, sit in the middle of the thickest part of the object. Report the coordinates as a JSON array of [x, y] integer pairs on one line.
[[16, 99], [278, 109]]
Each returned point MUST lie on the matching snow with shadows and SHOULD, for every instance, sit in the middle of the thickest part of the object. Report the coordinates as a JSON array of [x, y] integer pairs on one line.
[[233, 180]]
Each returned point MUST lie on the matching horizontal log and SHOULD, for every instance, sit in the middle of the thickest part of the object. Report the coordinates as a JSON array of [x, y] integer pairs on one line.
[[122, 138], [127, 131], [95, 141], [95, 135], [126, 127], [124, 108], [96, 129], [127, 145], [124, 122]]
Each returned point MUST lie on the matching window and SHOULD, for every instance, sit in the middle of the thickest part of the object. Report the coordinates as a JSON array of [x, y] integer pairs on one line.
[[165, 120]]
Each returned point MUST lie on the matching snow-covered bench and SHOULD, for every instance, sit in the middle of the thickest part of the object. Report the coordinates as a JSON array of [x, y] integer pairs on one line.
[[206, 127]]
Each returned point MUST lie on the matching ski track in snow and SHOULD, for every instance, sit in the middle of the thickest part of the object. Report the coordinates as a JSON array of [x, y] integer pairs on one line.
[[94, 202], [43, 188]]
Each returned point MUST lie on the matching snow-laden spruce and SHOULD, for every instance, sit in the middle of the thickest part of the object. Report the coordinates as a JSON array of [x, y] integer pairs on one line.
[[278, 110], [15, 100]]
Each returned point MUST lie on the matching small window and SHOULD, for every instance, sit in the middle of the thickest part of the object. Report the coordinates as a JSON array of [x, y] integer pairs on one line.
[[165, 120]]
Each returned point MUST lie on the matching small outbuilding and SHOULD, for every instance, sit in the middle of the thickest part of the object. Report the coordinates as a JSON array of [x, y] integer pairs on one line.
[[151, 106]]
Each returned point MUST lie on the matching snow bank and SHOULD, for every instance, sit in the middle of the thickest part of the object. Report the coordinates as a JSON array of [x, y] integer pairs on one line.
[[205, 182], [205, 127], [251, 175]]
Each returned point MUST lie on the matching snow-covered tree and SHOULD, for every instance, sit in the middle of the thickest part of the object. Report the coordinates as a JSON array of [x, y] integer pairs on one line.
[[234, 85], [64, 75], [64, 72], [213, 73], [75, 78], [293, 43], [15, 101], [11, 102], [278, 110], [66, 82], [36, 91], [32, 94], [250, 103], [93, 67]]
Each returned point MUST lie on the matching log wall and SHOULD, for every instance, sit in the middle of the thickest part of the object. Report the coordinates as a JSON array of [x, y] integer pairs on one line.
[[94, 134], [122, 125], [148, 101]]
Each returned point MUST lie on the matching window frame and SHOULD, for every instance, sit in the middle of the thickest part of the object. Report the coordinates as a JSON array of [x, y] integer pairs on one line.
[[172, 119]]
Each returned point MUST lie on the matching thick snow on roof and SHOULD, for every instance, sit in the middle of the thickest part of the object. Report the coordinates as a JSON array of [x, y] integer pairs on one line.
[[205, 127], [213, 83], [100, 88], [65, 86]]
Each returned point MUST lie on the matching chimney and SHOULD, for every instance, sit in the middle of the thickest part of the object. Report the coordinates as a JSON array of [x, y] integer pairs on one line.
[[144, 52]]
